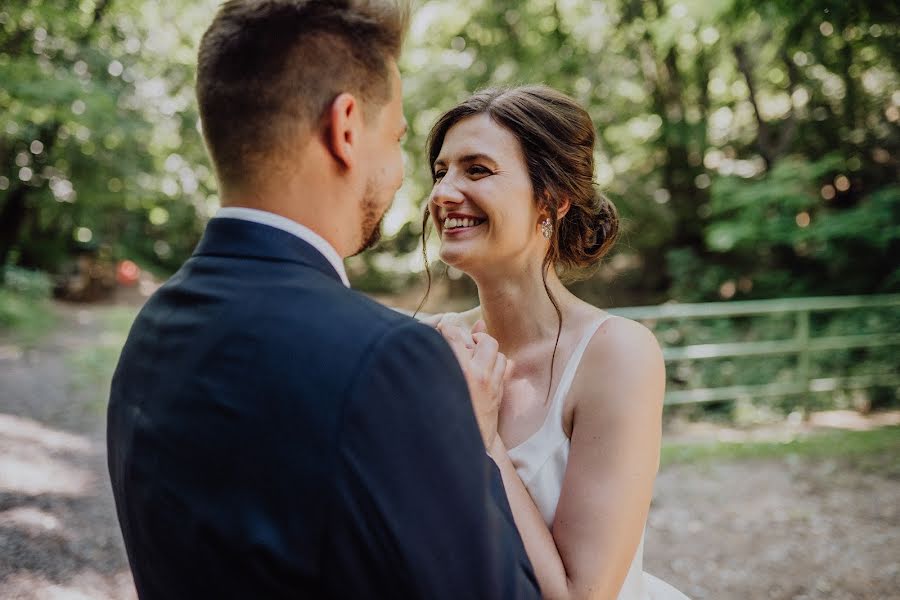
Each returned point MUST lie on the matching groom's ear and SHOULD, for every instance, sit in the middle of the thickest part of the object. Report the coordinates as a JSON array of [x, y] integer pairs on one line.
[[342, 131]]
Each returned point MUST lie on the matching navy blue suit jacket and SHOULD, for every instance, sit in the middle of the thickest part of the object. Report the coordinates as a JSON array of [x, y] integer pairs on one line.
[[272, 434]]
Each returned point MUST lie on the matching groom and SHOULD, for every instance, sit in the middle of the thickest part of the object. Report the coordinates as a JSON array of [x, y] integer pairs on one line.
[[272, 433]]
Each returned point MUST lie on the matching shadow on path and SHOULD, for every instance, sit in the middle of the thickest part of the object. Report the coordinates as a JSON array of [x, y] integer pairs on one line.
[[59, 537]]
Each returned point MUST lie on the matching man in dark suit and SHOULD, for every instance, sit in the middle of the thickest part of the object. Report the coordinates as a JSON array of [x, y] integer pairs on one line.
[[272, 433]]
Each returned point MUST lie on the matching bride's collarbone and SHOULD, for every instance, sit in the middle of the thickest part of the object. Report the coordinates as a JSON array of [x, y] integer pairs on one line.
[[527, 399], [522, 412], [529, 392]]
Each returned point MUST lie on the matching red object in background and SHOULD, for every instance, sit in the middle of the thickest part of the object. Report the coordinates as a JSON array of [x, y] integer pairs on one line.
[[127, 273]]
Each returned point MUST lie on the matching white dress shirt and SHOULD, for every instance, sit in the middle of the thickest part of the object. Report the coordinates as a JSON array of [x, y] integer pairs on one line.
[[283, 223]]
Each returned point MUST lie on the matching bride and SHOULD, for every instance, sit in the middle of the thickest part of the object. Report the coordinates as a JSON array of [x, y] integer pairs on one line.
[[577, 435]]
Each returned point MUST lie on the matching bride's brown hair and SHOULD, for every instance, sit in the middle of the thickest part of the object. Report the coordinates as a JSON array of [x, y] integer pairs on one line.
[[557, 138]]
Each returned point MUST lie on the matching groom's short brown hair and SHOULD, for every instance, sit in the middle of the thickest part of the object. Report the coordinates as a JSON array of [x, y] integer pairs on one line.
[[268, 69]]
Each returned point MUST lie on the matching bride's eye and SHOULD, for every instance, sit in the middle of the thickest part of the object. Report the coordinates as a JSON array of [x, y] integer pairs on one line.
[[439, 174], [479, 170]]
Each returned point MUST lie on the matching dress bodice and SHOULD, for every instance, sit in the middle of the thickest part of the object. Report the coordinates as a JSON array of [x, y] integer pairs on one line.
[[541, 464]]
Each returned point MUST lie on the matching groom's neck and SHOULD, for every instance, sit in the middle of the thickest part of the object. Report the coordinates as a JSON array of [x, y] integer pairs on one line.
[[311, 201]]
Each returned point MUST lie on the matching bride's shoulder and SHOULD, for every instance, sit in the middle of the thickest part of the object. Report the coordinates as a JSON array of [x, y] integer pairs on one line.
[[619, 340], [621, 380], [623, 354]]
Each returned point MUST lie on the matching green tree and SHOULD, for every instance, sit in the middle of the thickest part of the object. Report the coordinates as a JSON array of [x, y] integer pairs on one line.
[[750, 146], [697, 103], [99, 131]]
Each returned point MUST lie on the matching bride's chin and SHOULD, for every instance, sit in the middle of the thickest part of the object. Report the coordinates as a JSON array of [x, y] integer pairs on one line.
[[457, 260]]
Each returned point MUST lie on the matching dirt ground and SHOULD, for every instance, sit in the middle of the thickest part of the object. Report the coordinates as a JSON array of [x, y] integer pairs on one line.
[[776, 529]]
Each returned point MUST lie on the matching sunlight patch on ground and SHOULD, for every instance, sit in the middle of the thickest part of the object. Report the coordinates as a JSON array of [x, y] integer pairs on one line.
[[56, 592], [30, 519], [30, 461], [27, 431], [30, 586], [10, 353]]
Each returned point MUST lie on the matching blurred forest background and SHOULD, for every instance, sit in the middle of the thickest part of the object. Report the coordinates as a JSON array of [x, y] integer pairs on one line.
[[751, 146]]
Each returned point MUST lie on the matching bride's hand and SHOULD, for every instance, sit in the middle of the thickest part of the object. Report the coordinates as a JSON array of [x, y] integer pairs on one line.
[[485, 369], [460, 320]]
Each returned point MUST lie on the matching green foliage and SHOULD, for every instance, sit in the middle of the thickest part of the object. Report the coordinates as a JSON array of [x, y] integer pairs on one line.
[[93, 365], [779, 225], [29, 285], [718, 124], [25, 312], [722, 126], [99, 145], [873, 451]]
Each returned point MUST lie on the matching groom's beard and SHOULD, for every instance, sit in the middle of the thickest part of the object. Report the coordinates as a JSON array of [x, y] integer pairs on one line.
[[371, 225]]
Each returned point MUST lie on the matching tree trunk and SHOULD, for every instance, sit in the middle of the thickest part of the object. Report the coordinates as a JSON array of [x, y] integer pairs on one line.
[[12, 217]]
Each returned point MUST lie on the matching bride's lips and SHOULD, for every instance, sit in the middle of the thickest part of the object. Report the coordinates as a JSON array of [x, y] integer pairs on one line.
[[471, 224], [457, 231]]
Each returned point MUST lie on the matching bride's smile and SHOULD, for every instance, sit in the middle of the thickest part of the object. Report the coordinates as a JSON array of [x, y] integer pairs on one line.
[[456, 223]]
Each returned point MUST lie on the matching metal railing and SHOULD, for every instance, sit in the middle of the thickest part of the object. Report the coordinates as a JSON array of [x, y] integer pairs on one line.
[[802, 344]]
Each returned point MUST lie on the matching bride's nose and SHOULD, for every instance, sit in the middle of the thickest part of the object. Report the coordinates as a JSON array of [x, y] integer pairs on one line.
[[444, 193]]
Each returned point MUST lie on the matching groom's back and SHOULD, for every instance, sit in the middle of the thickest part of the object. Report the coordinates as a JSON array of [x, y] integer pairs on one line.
[[223, 418], [224, 415], [273, 434]]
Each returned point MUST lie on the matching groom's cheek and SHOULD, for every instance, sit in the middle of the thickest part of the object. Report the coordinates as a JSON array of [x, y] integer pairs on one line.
[[399, 170]]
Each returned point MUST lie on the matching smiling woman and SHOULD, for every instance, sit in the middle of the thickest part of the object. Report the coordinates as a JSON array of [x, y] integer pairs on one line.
[[553, 144], [516, 208], [533, 143]]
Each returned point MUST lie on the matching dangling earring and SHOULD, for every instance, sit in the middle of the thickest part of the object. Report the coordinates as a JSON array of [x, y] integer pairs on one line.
[[547, 228]]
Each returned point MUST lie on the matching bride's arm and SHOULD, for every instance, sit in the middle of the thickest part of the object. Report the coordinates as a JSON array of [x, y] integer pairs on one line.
[[608, 484]]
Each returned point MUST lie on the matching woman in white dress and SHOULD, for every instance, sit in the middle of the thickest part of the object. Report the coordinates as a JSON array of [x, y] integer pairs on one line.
[[577, 434]]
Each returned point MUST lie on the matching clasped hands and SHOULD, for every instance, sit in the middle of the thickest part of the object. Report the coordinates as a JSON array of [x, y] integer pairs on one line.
[[486, 370]]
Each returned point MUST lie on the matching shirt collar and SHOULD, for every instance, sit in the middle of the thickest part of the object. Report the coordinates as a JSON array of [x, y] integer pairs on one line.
[[283, 223]]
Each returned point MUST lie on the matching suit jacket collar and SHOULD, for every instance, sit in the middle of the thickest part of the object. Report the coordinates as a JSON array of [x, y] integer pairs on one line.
[[244, 239]]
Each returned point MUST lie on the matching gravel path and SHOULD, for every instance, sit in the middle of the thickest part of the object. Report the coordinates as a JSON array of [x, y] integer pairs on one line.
[[59, 538], [779, 529]]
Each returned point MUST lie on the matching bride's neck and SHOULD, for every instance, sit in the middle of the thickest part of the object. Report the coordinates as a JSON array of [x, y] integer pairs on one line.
[[517, 310]]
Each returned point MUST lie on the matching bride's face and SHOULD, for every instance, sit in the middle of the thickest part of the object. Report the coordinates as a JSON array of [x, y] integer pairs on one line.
[[482, 202]]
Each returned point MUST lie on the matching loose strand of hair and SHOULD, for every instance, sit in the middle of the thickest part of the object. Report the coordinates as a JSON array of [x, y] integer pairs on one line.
[[425, 219], [549, 260], [550, 295]]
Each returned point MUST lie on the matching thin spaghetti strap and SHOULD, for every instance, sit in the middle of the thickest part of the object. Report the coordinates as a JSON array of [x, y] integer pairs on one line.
[[568, 376], [551, 431]]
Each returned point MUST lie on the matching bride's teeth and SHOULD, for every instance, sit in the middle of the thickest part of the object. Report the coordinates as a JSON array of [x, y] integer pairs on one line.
[[453, 223]]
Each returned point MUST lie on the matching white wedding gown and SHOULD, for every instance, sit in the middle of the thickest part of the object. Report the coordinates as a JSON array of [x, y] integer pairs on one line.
[[541, 463]]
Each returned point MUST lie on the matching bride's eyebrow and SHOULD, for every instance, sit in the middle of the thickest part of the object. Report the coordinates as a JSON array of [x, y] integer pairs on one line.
[[469, 158]]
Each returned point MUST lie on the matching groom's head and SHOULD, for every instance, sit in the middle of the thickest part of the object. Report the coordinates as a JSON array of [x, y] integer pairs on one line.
[[303, 97]]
